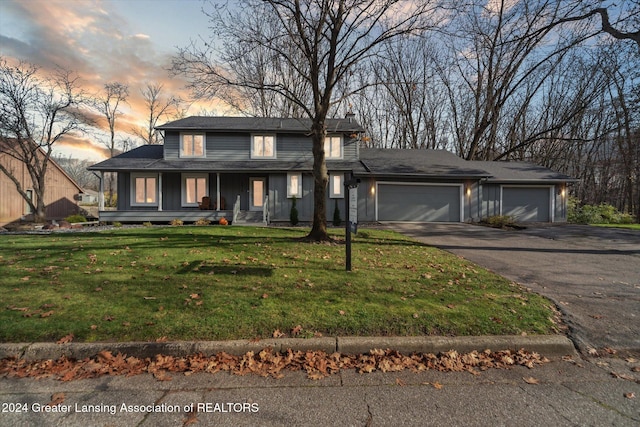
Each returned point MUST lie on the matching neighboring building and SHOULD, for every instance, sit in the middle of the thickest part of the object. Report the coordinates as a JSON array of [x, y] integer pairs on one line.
[[249, 169], [60, 197]]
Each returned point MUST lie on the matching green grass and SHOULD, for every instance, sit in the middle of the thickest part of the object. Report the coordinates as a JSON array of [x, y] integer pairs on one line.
[[215, 283], [626, 226]]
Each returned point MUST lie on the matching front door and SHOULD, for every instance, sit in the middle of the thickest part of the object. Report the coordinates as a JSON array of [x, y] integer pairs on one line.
[[257, 192]]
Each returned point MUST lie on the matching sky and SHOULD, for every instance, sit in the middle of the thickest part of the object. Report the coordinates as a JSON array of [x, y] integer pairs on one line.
[[103, 41]]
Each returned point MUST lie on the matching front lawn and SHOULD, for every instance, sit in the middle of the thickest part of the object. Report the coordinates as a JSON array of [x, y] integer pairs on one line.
[[217, 283]]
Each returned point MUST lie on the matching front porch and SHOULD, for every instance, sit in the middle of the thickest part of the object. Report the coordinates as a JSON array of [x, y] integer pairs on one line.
[[140, 216]]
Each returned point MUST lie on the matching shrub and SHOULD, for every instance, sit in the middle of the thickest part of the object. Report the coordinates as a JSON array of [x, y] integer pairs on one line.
[[293, 215], [75, 218], [595, 214], [117, 224], [336, 215], [147, 224], [203, 221], [176, 222]]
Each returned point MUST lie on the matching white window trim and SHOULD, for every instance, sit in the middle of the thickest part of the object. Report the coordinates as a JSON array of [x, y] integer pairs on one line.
[[254, 136], [134, 176], [204, 145], [327, 153], [183, 185], [333, 194], [294, 192]]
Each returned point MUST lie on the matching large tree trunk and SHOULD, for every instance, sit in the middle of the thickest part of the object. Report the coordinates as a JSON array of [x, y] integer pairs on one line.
[[320, 180]]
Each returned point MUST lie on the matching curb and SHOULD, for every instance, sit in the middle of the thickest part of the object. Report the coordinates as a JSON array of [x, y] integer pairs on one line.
[[547, 345]]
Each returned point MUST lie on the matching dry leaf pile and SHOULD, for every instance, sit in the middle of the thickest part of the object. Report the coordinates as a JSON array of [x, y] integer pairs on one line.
[[266, 363]]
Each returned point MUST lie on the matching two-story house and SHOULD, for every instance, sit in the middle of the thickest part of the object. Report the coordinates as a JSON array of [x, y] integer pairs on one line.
[[251, 169]]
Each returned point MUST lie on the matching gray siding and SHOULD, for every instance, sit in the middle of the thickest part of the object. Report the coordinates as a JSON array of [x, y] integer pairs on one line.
[[231, 146], [490, 200]]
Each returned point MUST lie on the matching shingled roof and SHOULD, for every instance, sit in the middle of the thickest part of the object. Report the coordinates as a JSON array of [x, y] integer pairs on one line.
[[258, 124], [150, 158], [507, 171], [418, 163]]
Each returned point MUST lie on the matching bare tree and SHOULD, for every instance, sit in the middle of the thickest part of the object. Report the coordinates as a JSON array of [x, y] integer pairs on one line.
[[36, 112], [77, 170], [502, 55], [319, 42], [158, 107], [108, 104]]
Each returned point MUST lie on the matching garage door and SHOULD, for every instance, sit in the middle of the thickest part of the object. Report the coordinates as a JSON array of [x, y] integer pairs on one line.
[[425, 203], [526, 204]]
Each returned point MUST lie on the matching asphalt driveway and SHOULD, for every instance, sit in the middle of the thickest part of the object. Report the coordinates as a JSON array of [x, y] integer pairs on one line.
[[591, 273]]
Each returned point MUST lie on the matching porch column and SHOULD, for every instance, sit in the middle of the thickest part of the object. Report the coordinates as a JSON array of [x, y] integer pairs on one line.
[[218, 191], [101, 192], [160, 191]]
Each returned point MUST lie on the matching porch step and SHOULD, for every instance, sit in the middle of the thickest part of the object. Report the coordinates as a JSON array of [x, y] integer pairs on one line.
[[249, 218]]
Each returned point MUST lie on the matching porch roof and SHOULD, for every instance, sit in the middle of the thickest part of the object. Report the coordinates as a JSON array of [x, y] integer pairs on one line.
[[150, 158]]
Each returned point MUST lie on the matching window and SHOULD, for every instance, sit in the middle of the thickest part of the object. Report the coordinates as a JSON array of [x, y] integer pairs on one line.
[[194, 188], [333, 147], [294, 185], [144, 190], [192, 145], [336, 185], [263, 146]]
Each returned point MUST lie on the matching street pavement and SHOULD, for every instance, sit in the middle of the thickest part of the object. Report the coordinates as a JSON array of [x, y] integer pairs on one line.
[[592, 274], [570, 392]]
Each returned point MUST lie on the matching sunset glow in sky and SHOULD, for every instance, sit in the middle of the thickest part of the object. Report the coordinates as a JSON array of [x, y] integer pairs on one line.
[[126, 41]]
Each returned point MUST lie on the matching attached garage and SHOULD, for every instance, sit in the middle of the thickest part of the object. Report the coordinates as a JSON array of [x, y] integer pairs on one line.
[[527, 204], [419, 202]]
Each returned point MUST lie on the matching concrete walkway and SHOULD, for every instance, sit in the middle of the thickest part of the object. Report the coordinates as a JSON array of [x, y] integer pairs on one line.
[[592, 274]]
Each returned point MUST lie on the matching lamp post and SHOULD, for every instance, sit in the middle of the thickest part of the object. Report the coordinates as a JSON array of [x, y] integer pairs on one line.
[[351, 208]]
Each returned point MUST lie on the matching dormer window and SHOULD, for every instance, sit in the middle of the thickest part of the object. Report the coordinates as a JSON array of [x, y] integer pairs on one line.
[[263, 147], [192, 145], [333, 147]]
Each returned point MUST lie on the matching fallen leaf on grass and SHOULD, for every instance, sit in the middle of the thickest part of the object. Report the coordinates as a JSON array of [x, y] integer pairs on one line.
[[65, 339], [630, 395], [531, 380], [277, 334], [437, 385], [47, 314], [296, 330]]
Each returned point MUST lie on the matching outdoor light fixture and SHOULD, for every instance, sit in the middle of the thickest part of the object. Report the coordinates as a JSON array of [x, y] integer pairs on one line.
[[468, 191], [373, 190]]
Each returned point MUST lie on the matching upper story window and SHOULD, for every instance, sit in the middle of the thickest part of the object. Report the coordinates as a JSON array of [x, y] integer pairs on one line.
[[333, 147], [192, 145], [144, 191], [263, 146]]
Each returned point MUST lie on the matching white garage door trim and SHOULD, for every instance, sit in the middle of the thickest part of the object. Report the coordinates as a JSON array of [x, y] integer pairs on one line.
[[422, 184], [551, 188]]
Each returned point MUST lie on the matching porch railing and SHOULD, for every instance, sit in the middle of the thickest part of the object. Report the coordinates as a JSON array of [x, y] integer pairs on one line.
[[236, 209], [265, 210]]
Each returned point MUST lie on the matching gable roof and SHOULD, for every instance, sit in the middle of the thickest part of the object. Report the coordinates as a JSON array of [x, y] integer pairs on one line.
[[6, 148], [418, 163], [258, 124]]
